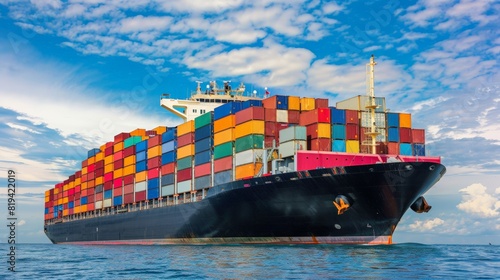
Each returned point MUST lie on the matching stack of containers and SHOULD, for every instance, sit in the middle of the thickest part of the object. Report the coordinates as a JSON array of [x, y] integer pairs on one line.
[[276, 117], [98, 180], [352, 131], [337, 117], [293, 110], [292, 139], [129, 169], [185, 156], [203, 137], [405, 137], [113, 192], [154, 162], [365, 129], [168, 158], [393, 133], [141, 158], [418, 142], [318, 126], [223, 147]]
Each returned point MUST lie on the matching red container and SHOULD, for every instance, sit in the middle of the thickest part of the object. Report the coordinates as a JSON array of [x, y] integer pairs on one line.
[[90, 168], [98, 196], [153, 173], [129, 151], [269, 128], [117, 183], [129, 179], [90, 200], [185, 174], [109, 144], [78, 174], [77, 202], [90, 191], [90, 177], [154, 163], [252, 113], [154, 141], [293, 117], [167, 168], [118, 155], [270, 115], [312, 131], [108, 151], [128, 198], [99, 164], [351, 116], [84, 193], [85, 177], [77, 189], [90, 207], [319, 115], [405, 135], [71, 197], [280, 126], [321, 144], [222, 164], [118, 164], [185, 139], [270, 102], [393, 148], [99, 172], [71, 191], [140, 196], [128, 189], [268, 141], [108, 186], [72, 178], [117, 191], [418, 136], [352, 131], [84, 163], [204, 169], [65, 193], [108, 177], [321, 102], [121, 137]]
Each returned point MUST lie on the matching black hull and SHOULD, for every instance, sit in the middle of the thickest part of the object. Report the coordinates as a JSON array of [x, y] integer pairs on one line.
[[294, 207]]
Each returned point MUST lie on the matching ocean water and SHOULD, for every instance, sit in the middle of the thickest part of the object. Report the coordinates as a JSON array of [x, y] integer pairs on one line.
[[399, 261]]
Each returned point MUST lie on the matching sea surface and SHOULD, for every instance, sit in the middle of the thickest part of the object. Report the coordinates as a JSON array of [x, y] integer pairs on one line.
[[399, 261]]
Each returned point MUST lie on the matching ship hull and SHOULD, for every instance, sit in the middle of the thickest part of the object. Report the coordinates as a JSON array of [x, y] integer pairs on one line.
[[296, 207]]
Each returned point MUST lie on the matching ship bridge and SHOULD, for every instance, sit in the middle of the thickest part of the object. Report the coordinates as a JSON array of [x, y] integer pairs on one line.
[[202, 102]]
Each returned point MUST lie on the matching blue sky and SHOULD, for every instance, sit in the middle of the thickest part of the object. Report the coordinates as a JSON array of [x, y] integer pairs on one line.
[[73, 74]]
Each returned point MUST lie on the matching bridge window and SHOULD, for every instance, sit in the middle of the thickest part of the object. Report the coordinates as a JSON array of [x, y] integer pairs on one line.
[[194, 110]]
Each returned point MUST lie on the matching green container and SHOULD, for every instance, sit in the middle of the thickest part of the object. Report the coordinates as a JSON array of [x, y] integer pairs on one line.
[[131, 141], [203, 120], [253, 141], [184, 163], [223, 150]]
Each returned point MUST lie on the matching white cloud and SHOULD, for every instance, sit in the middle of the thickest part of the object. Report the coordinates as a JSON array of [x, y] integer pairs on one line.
[[141, 23], [425, 226], [478, 202], [21, 127], [21, 223]]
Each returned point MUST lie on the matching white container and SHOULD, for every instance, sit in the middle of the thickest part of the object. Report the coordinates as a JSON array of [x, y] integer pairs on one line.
[[184, 186], [167, 190], [98, 204], [293, 133], [107, 202], [140, 186], [282, 116], [248, 156], [360, 103], [289, 148]]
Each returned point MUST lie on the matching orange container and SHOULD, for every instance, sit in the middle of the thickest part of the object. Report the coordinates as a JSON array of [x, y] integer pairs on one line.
[[129, 160], [140, 176], [117, 147], [84, 170], [128, 170], [405, 120], [84, 185], [138, 132], [185, 128], [108, 159], [108, 168], [118, 173], [160, 129], [154, 152], [224, 136], [185, 151], [99, 156], [250, 127], [293, 103], [224, 123], [247, 170], [99, 180], [91, 160]]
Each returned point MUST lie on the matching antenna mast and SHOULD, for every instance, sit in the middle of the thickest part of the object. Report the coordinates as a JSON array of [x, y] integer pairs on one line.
[[371, 106]]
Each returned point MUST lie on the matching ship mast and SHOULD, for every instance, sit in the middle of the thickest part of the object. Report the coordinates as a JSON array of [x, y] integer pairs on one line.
[[371, 106]]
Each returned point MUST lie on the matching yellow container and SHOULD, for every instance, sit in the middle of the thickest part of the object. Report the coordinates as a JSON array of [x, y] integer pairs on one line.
[[185, 128], [103, 147], [65, 200], [99, 156], [324, 130], [71, 185], [249, 127], [108, 168], [128, 170], [59, 201], [83, 208], [160, 129], [84, 185], [65, 212], [247, 170], [154, 152], [47, 199], [129, 160], [405, 120], [224, 136], [84, 170], [224, 123], [307, 104], [76, 210], [185, 151], [352, 146], [65, 187], [47, 193], [78, 181], [99, 180], [140, 176], [91, 160], [293, 103], [118, 147], [118, 173], [138, 132], [108, 159]]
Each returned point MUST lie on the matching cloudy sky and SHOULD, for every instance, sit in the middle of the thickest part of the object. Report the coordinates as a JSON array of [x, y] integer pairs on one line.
[[75, 73]]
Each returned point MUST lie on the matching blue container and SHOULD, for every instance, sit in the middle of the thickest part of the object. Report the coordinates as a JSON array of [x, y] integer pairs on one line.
[[140, 156], [83, 200], [392, 119], [251, 103], [55, 214], [203, 132], [419, 149], [203, 145], [169, 135], [71, 204], [338, 146], [56, 209], [140, 166], [281, 102], [47, 210], [93, 152], [153, 183], [227, 109], [141, 146], [108, 194], [167, 179], [117, 200], [168, 146], [393, 134], [153, 193], [202, 157], [338, 131], [223, 177], [202, 182], [337, 116], [405, 149], [168, 157]]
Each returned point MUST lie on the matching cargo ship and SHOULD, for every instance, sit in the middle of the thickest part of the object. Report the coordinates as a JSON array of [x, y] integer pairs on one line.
[[247, 170]]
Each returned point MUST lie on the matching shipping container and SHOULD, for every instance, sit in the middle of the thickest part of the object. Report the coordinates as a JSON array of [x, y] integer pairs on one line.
[[307, 104], [380, 148], [185, 151], [288, 149], [118, 147], [254, 141], [338, 132], [202, 182], [185, 174], [128, 189], [108, 194], [227, 109], [293, 103], [203, 145], [247, 170], [293, 133], [167, 179], [203, 132], [248, 156], [319, 130], [185, 139], [276, 102], [321, 103], [140, 196], [139, 186], [127, 170], [153, 183], [168, 157], [117, 192], [168, 146], [393, 134], [138, 132], [141, 146], [337, 116], [92, 152], [140, 176], [418, 149], [361, 103], [251, 113], [127, 198], [365, 134], [203, 120], [154, 141], [154, 162], [129, 160], [121, 137], [167, 190], [202, 157], [251, 103], [320, 144], [184, 186], [170, 135], [248, 128], [319, 115], [168, 168], [269, 115], [392, 119], [282, 116], [131, 141], [351, 117], [352, 146], [140, 156], [222, 164], [185, 162], [224, 123], [338, 146], [405, 135], [153, 193], [418, 136], [405, 149], [185, 128], [223, 150], [352, 131], [224, 136], [293, 117], [405, 120]]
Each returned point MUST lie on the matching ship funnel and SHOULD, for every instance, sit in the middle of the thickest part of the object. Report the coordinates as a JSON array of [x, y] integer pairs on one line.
[[420, 205]]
